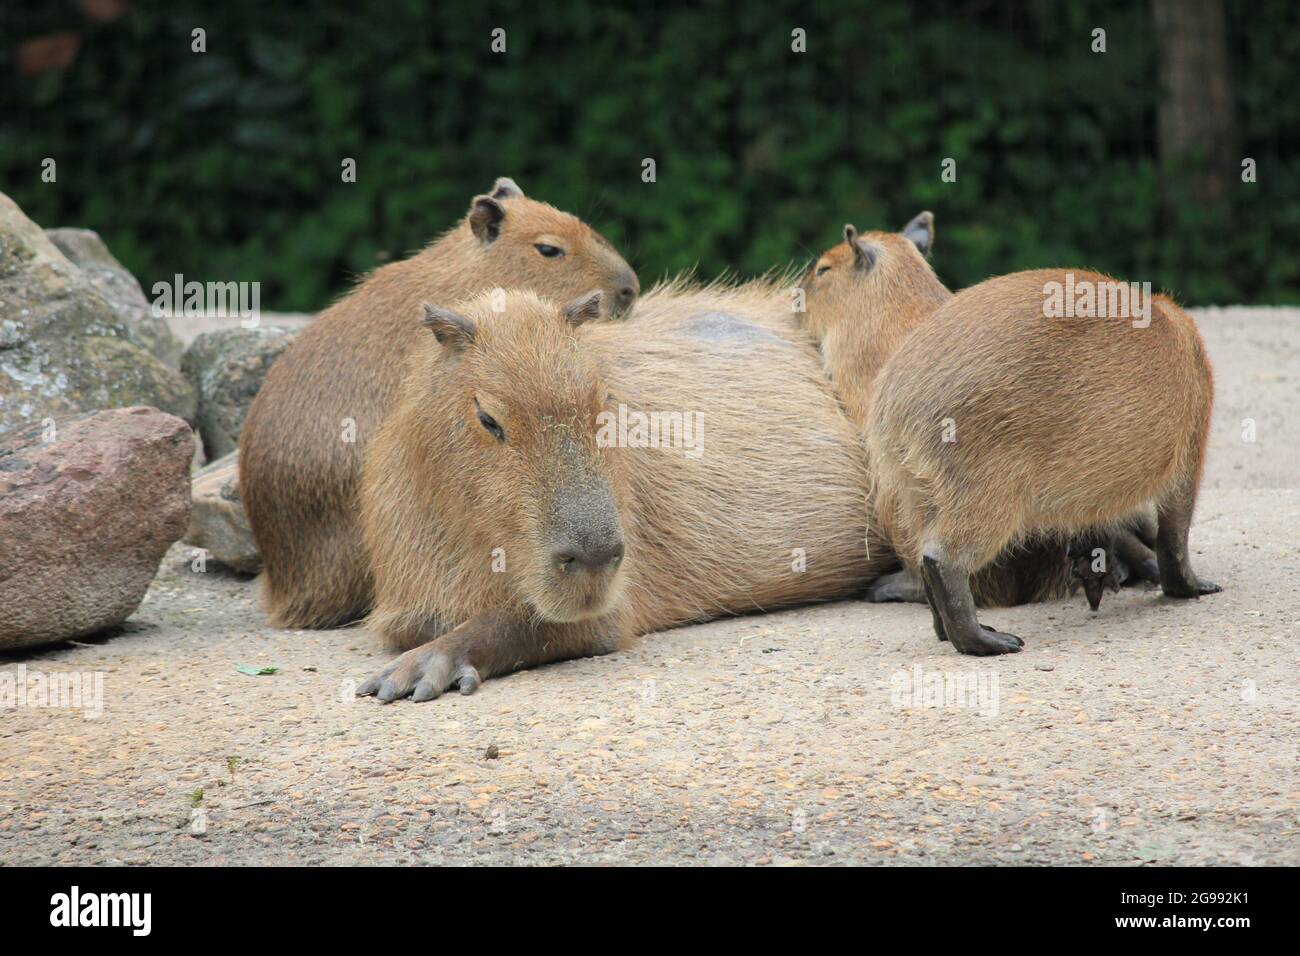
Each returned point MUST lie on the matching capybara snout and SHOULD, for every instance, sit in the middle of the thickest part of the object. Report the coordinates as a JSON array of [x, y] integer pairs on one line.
[[588, 535], [626, 289], [582, 544]]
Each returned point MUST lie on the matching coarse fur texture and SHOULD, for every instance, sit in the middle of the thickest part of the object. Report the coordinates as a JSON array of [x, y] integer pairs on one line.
[[303, 443], [865, 296], [864, 299], [995, 424], [464, 525], [1061, 424]]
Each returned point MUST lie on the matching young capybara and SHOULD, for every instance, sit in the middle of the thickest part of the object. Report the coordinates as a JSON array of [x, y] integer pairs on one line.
[[1001, 418], [864, 298], [547, 487], [303, 442]]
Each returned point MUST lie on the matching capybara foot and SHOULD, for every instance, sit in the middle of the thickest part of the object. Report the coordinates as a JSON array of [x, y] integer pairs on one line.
[[986, 642], [1096, 565], [895, 586], [1138, 558], [1192, 589], [1095, 583], [423, 674], [1143, 572]]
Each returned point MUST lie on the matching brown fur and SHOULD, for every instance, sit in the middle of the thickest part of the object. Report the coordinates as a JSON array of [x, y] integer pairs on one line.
[[1063, 424], [861, 317], [860, 314], [995, 431], [298, 477], [781, 469]]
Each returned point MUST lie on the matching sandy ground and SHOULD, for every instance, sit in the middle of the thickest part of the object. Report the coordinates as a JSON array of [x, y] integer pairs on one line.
[[1154, 732]]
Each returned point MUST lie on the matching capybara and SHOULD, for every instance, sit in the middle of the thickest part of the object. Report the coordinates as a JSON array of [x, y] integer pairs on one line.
[[547, 487], [323, 400], [864, 299], [1001, 418]]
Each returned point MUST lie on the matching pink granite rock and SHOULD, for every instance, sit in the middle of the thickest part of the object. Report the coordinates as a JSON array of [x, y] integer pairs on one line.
[[88, 506]]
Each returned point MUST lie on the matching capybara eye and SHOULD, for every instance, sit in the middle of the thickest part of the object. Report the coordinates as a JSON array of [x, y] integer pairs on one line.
[[550, 252], [490, 423], [822, 270]]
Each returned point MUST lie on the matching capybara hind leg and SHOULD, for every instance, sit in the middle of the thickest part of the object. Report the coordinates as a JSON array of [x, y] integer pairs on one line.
[[1095, 565], [1137, 556], [483, 647], [948, 588], [1174, 519], [324, 581], [900, 585], [1143, 526]]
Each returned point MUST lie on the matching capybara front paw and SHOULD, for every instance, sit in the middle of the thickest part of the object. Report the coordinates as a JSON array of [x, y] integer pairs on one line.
[[988, 641], [422, 674]]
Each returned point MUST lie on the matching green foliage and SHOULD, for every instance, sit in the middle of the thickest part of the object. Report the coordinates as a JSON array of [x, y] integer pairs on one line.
[[226, 165]]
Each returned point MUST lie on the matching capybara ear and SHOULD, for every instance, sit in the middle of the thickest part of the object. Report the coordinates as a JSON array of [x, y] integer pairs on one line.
[[452, 329], [506, 188], [864, 254], [485, 217], [584, 308], [850, 233], [920, 232]]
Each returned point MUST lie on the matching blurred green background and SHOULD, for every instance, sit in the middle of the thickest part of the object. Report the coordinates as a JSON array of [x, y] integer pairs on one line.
[[226, 164]]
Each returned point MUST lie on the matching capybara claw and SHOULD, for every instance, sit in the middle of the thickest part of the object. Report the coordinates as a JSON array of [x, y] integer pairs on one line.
[[989, 642], [424, 673], [468, 680]]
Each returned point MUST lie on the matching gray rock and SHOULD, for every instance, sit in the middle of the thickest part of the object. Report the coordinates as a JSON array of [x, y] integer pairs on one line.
[[217, 520], [226, 369], [87, 251], [65, 347], [88, 507]]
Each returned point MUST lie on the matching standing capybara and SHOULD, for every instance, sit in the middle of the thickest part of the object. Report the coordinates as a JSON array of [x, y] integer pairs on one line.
[[303, 442], [546, 487], [1002, 418], [864, 299]]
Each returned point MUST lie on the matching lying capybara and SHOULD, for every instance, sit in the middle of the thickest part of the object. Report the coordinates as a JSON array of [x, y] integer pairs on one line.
[[322, 402], [997, 421], [547, 487], [864, 299]]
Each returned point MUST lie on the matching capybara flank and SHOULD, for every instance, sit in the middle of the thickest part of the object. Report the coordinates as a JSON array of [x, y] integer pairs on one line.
[[1002, 418], [519, 508], [303, 442], [865, 298]]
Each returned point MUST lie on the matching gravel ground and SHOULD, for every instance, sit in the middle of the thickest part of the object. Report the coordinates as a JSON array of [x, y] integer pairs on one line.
[[1154, 732]]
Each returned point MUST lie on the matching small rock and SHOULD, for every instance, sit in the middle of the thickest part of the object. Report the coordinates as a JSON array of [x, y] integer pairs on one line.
[[88, 507], [217, 520], [226, 369]]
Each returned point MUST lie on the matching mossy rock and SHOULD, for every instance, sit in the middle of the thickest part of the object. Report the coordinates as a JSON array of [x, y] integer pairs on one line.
[[65, 345]]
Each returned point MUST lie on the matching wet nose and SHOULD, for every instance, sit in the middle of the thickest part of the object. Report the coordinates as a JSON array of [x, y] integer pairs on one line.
[[592, 555]]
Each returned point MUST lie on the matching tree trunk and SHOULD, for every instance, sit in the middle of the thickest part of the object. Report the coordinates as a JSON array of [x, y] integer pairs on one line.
[[1198, 130]]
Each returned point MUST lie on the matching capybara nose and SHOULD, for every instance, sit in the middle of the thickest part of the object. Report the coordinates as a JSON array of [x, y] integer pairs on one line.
[[591, 556], [627, 292]]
